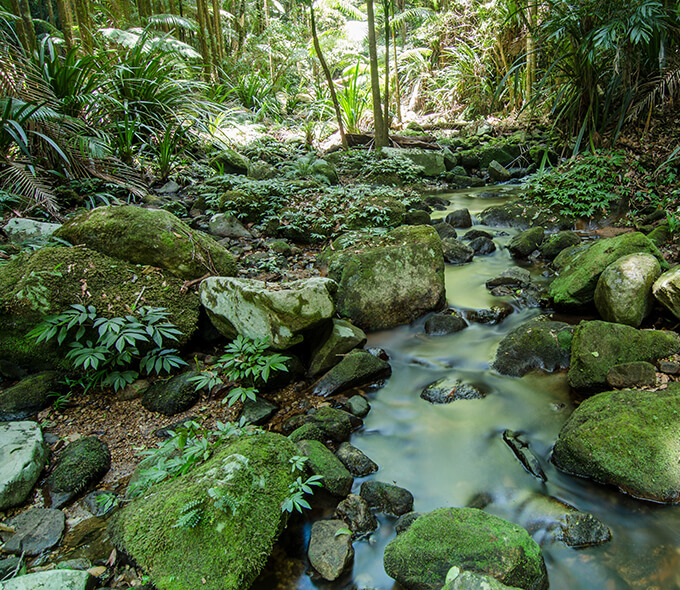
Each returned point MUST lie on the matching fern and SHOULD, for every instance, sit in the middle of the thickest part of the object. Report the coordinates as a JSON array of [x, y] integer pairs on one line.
[[224, 501], [190, 515]]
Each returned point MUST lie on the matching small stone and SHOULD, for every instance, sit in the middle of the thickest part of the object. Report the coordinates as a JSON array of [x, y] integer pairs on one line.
[[258, 411], [447, 390], [445, 231], [636, 374], [358, 464], [169, 188], [227, 226], [100, 502], [386, 497], [358, 406], [492, 316], [473, 234], [459, 218], [343, 338], [669, 367], [512, 277], [483, 246], [172, 396], [442, 324], [336, 479], [455, 252], [359, 367], [499, 173], [523, 244], [37, 530], [330, 550], [356, 512]]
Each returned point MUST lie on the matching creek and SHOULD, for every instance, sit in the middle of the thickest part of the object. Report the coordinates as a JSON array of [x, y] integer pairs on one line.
[[447, 454]]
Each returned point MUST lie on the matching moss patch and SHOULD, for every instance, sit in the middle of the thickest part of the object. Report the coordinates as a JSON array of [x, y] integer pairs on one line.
[[628, 438], [226, 550], [470, 539]]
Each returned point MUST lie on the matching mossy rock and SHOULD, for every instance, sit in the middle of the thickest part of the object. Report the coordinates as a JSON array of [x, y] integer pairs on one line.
[[151, 237], [226, 550], [421, 557], [555, 243], [660, 235], [387, 280], [393, 211], [82, 464], [523, 244], [598, 346], [29, 396], [580, 267], [172, 396], [522, 216], [47, 281], [537, 344], [627, 439], [229, 161], [321, 461]]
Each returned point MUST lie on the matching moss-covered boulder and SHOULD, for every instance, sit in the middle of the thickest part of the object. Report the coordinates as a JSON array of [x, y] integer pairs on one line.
[[537, 344], [226, 549], [522, 216], [557, 242], [172, 396], [624, 290], [151, 237], [628, 439], [666, 290], [472, 581], [336, 478], [387, 280], [342, 338], [229, 161], [359, 367], [82, 464], [580, 267], [29, 396], [598, 346], [279, 313], [46, 282], [524, 243], [421, 557], [432, 161]]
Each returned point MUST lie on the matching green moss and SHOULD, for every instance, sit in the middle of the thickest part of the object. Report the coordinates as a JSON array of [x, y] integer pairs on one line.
[[47, 281], [598, 346], [82, 462], [150, 237], [626, 438], [420, 558], [226, 550], [581, 266], [336, 479]]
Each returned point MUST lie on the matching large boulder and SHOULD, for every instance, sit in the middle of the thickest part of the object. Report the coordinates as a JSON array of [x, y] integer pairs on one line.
[[580, 267], [23, 455], [421, 557], [624, 290], [387, 280], [19, 230], [666, 289], [628, 439], [598, 346], [536, 344], [151, 237], [257, 310], [432, 161], [522, 216], [45, 282], [226, 549]]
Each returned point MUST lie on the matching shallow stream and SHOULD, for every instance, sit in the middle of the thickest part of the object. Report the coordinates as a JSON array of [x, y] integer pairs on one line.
[[446, 454]]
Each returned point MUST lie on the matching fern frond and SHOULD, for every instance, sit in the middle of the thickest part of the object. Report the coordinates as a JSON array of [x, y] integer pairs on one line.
[[17, 178], [657, 90], [172, 20]]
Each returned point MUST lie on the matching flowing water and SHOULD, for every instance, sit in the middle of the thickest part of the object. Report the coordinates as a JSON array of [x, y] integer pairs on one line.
[[446, 454]]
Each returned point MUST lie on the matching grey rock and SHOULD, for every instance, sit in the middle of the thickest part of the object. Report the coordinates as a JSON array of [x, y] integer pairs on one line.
[[442, 324], [445, 231], [386, 497], [356, 512], [357, 368], [95, 503], [405, 521], [229, 161], [473, 581], [29, 396], [459, 218], [499, 173], [511, 277], [666, 290], [343, 338], [447, 390], [494, 315], [483, 246], [358, 406], [258, 411], [227, 226], [10, 565], [37, 530], [334, 424], [330, 551], [669, 367], [432, 161], [23, 455], [455, 252], [51, 580], [169, 188], [473, 234], [172, 396], [637, 374], [19, 230], [357, 463]]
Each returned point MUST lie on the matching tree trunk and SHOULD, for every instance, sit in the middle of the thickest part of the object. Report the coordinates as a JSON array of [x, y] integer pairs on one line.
[[50, 14], [531, 51], [386, 103], [329, 77], [203, 33], [84, 25], [381, 138], [217, 26], [24, 25], [397, 85], [65, 22]]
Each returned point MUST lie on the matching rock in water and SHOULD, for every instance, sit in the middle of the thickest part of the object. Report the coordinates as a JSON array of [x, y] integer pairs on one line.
[[627, 439], [455, 252], [388, 280], [257, 310], [149, 236], [598, 346], [449, 389], [82, 464], [357, 368], [421, 557], [330, 548], [536, 344], [23, 455], [343, 338], [387, 497], [355, 460], [624, 290], [580, 267], [523, 244], [336, 479], [356, 512], [226, 549]]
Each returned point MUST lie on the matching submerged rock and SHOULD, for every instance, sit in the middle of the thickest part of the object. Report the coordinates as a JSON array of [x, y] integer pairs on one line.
[[624, 290], [149, 236], [226, 549], [580, 267], [386, 497], [387, 280], [536, 344], [81, 464], [330, 548], [448, 389], [257, 310], [598, 346], [23, 455], [627, 439], [421, 557]]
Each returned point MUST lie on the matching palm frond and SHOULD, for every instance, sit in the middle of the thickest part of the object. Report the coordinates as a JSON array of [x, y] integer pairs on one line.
[[18, 178], [172, 20], [411, 15], [656, 91]]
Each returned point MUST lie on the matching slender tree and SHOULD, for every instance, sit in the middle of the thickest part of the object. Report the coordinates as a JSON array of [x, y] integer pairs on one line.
[[381, 136], [84, 24], [66, 21]]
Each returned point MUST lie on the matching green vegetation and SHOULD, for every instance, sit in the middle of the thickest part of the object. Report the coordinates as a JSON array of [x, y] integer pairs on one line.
[[121, 347]]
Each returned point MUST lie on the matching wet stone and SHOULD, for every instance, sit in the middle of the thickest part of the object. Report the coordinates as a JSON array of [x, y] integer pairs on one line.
[[445, 231], [473, 234], [512, 277], [442, 324], [258, 411], [405, 521], [100, 502], [386, 497], [37, 530], [356, 512], [492, 316], [455, 252], [358, 406], [483, 246], [330, 550], [459, 218], [357, 368], [357, 463], [637, 374], [447, 390]]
